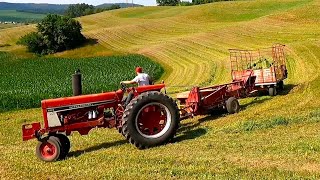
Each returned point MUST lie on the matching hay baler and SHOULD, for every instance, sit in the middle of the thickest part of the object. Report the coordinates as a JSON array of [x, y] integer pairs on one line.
[[201, 101]]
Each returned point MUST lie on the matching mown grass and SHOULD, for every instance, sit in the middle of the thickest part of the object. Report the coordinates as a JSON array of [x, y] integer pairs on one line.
[[26, 81], [201, 150], [270, 138], [5, 26]]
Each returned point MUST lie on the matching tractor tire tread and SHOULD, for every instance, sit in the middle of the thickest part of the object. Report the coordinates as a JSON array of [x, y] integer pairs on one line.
[[127, 117]]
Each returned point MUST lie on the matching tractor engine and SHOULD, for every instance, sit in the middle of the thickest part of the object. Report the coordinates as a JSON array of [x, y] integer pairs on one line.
[[79, 115]]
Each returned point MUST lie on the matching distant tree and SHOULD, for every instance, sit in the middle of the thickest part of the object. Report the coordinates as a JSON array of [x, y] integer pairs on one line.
[[55, 33], [207, 1], [88, 11], [113, 6], [78, 10], [168, 2], [34, 42], [98, 10], [83, 9]]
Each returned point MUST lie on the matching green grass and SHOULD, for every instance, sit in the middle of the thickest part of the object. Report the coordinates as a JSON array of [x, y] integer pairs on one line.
[[25, 82], [13, 15]]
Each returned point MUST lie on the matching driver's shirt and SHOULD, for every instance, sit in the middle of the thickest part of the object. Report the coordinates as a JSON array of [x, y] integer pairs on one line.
[[142, 79]]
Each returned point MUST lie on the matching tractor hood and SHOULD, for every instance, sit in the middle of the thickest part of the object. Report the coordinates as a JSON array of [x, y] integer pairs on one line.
[[82, 100]]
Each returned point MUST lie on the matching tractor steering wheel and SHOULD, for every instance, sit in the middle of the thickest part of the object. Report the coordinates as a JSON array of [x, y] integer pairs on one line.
[[123, 86]]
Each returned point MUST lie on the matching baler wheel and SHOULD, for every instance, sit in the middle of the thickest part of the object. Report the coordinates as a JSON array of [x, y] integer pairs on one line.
[[272, 91], [150, 119], [65, 145], [49, 149], [232, 105]]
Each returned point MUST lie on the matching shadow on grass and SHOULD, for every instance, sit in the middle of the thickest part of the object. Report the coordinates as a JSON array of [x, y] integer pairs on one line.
[[97, 147], [256, 101], [287, 89], [191, 134], [190, 130], [90, 41]]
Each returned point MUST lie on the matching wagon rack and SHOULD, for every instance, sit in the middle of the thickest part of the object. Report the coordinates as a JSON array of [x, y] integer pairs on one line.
[[268, 65]]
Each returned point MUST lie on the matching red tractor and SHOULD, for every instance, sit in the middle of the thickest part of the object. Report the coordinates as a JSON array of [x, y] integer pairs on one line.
[[150, 118], [146, 117]]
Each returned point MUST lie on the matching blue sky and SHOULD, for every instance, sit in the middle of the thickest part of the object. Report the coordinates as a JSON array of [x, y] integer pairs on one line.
[[94, 2]]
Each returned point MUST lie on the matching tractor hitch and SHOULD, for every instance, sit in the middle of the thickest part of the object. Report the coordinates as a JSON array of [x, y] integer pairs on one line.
[[30, 131]]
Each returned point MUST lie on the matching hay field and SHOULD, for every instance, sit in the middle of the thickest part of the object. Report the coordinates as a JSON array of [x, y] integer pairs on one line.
[[270, 138]]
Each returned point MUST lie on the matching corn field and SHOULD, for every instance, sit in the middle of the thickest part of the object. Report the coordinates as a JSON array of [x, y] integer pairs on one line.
[[25, 82]]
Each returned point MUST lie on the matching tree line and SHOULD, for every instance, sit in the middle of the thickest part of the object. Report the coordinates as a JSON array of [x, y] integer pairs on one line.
[[78, 10]]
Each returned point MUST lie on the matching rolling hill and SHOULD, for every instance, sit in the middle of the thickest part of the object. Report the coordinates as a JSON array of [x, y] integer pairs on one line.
[[274, 138], [43, 8], [15, 16]]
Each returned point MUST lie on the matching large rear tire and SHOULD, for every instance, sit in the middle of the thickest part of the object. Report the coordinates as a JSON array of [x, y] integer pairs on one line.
[[150, 119]]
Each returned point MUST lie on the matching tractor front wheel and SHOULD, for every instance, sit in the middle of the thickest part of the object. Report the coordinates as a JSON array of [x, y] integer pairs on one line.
[[49, 149], [150, 119], [65, 145], [232, 105]]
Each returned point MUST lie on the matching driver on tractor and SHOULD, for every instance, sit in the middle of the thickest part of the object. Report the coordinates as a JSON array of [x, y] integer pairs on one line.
[[142, 79]]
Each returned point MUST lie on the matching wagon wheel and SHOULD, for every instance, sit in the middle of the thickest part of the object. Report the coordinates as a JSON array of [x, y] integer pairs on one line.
[[151, 119], [49, 149], [272, 91], [232, 105], [65, 145], [281, 85]]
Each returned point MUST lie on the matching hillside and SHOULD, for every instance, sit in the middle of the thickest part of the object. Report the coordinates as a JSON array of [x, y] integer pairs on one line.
[[15, 16], [42, 8], [32, 7], [276, 138]]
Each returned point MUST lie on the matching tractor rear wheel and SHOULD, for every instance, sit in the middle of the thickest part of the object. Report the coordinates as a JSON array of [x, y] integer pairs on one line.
[[232, 105], [150, 119], [49, 149], [65, 145]]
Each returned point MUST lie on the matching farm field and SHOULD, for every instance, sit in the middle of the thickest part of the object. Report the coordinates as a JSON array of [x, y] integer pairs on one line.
[[25, 82], [15, 16], [271, 138], [5, 26]]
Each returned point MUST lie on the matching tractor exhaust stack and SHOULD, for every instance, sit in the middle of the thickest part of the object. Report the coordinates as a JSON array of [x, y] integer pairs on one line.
[[76, 83]]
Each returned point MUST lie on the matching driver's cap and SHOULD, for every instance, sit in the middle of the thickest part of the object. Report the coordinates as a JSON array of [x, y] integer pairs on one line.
[[138, 69]]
